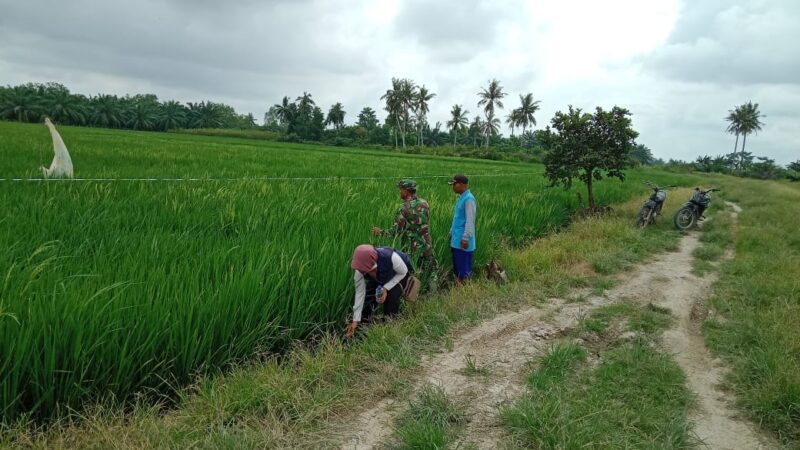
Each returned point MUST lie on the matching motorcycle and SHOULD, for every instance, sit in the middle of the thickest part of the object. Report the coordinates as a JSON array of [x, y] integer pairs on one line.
[[652, 207], [692, 211]]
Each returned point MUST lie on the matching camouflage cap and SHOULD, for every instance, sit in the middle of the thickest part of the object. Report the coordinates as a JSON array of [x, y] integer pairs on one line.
[[407, 183]]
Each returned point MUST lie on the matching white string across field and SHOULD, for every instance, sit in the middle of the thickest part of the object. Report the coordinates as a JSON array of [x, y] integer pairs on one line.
[[328, 178]]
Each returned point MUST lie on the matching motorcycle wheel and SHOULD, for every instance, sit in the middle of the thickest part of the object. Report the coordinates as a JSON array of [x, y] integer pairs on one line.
[[643, 218], [684, 218]]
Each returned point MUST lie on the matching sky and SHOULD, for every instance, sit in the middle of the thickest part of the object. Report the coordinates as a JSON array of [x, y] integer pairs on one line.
[[678, 66]]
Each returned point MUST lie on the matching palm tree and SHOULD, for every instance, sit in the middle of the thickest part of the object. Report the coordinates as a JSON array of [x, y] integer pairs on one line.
[[458, 121], [491, 128], [141, 116], [734, 125], [283, 111], [20, 103], [105, 111], [204, 115], [513, 120], [491, 98], [336, 116], [64, 107], [399, 100], [421, 109], [173, 115], [305, 104], [527, 109], [476, 129], [750, 121]]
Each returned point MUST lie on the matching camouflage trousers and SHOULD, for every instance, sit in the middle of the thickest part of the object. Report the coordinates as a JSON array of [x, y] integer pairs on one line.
[[427, 270]]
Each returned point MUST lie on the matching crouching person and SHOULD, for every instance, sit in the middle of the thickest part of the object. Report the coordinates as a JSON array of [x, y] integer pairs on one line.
[[377, 267]]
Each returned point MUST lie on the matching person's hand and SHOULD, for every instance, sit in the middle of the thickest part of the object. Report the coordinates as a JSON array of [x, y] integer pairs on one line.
[[376, 230], [464, 244], [383, 296], [351, 328]]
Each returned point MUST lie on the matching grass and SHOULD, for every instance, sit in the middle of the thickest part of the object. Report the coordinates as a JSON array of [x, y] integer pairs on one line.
[[115, 292], [287, 401], [633, 398], [473, 369], [432, 421], [758, 301], [715, 240]]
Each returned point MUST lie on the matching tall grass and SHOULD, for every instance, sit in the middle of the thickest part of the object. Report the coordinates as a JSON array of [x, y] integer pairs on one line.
[[758, 297], [109, 289]]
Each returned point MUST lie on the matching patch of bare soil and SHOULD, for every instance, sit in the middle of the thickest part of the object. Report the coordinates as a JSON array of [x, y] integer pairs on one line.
[[503, 347]]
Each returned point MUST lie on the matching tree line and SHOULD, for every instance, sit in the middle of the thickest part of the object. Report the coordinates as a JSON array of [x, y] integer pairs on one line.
[[31, 102]]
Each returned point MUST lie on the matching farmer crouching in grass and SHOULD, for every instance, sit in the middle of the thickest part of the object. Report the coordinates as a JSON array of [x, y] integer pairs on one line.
[[462, 231], [411, 224], [381, 269]]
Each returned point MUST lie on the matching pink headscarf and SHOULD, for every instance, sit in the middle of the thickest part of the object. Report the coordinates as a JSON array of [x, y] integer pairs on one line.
[[364, 258]]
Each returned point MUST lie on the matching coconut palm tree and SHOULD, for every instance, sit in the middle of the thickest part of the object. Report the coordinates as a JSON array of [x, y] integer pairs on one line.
[[476, 129], [527, 111], [283, 111], [458, 121], [491, 99], [734, 125], [750, 121], [399, 101], [491, 128], [336, 116], [421, 99], [513, 120]]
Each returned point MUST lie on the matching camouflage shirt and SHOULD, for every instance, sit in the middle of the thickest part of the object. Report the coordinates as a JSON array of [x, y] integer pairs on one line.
[[411, 224]]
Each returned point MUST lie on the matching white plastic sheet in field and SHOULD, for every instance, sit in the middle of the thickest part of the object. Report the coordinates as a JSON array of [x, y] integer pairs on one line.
[[62, 163]]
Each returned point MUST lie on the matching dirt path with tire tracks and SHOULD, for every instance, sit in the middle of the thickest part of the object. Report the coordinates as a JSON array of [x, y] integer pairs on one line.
[[506, 344]]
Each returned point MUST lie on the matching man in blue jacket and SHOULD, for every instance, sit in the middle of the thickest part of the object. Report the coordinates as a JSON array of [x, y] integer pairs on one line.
[[462, 231]]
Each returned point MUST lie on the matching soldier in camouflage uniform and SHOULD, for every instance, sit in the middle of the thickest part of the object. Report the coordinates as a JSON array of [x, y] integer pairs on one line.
[[411, 225]]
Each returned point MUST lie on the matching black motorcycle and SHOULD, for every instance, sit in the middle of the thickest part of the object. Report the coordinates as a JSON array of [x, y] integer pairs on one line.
[[692, 211], [652, 207]]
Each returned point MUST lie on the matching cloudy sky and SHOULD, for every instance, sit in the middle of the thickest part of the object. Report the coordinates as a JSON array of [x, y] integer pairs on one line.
[[679, 66]]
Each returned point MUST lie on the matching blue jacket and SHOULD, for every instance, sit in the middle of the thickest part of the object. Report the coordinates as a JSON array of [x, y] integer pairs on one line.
[[460, 222]]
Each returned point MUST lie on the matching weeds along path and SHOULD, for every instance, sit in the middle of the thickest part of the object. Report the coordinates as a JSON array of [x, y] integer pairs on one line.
[[486, 366], [717, 422]]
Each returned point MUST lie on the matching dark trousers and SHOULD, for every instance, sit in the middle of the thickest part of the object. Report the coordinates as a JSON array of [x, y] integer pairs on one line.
[[391, 307]]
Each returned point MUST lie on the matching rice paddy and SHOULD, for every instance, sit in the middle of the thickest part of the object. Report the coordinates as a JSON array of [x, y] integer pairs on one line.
[[117, 288]]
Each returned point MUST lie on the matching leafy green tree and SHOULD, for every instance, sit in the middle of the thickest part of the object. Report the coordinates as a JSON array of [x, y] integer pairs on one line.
[[336, 116], [588, 146], [794, 166], [367, 118], [491, 98], [641, 155]]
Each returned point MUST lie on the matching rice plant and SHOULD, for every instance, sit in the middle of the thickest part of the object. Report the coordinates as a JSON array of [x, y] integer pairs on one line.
[[109, 289]]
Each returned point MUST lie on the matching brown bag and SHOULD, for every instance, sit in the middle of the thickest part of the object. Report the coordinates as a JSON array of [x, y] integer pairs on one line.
[[411, 291]]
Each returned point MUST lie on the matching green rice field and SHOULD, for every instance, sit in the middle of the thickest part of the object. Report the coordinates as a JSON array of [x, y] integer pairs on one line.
[[114, 288]]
